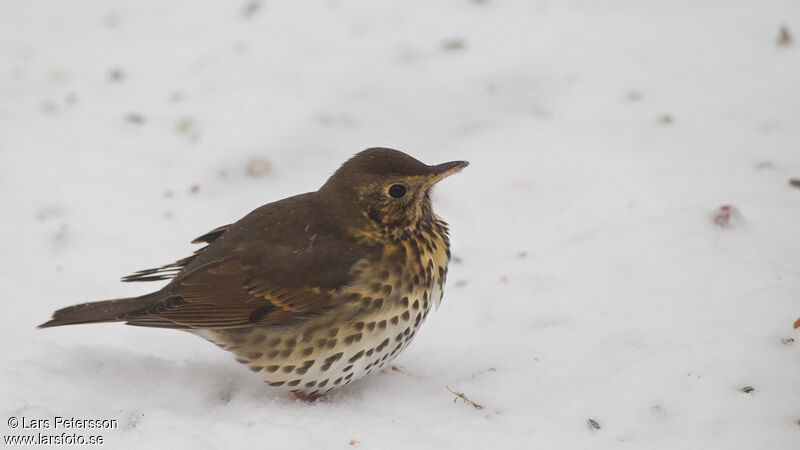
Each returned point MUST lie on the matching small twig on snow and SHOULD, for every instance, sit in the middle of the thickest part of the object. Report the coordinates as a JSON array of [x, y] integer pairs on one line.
[[464, 397]]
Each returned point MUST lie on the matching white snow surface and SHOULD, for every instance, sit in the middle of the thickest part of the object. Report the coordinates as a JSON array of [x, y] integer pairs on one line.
[[591, 281]]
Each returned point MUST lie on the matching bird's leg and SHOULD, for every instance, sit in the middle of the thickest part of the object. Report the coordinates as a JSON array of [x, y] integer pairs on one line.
[[393, 368], [305, 397]]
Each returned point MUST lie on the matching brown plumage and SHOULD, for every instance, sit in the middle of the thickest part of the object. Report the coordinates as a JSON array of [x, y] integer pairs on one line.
[[365, 253]]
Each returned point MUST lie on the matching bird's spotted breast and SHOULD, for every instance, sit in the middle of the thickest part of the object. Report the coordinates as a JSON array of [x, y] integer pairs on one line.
[[384, 307]]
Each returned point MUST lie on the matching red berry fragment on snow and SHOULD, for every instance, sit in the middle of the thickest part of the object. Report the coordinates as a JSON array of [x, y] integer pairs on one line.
[[726, 216], [797, 324]]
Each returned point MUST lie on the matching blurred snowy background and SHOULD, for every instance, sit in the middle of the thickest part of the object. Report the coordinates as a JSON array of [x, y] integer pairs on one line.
[[601, 295]]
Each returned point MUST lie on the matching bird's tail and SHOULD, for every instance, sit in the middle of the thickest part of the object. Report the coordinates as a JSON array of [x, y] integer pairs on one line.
[[97, 312]]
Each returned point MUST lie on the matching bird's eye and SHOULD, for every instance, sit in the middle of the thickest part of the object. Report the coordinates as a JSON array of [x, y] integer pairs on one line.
[[397, 190]]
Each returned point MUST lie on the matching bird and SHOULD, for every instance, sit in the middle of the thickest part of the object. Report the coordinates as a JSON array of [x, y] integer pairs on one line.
[[313, 291]]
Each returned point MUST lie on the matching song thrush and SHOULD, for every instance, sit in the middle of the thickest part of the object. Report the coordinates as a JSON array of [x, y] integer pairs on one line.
[[313, 291]]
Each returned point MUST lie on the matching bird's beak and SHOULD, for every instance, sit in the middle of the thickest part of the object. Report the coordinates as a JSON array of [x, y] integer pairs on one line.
[[442, 171]]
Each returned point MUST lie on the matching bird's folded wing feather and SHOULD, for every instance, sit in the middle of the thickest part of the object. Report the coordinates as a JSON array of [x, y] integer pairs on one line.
[[266, 284], [282, 263], [169, 271], [226, 294]]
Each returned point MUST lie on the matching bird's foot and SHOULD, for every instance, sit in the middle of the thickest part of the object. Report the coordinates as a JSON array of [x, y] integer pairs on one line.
[[305, 397]]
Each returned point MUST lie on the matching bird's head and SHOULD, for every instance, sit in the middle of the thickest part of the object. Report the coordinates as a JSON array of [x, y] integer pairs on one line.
[[388, 187]]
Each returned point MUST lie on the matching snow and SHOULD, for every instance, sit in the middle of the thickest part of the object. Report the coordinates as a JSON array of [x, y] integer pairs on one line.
[[593, 281]]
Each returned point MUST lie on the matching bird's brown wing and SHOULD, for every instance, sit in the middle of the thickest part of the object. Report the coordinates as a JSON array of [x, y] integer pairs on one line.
[[169, 271], [266, 282], [282, 263], [226, 294]]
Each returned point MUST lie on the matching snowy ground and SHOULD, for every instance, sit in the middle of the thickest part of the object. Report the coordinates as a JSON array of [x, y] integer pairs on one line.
[[592, 281]]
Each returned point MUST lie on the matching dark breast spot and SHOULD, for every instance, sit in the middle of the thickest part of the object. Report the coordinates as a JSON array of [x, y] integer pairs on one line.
[[352, 338], [333, 358], [382, 345], [356, 357]]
